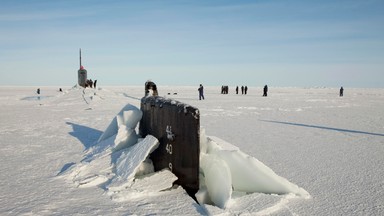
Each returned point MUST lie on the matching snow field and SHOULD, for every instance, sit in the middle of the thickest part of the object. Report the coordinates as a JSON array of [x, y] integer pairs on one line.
[[328, 145]]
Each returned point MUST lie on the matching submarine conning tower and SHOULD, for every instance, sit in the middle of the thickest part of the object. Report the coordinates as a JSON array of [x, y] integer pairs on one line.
[[177, 127], [81, 74]]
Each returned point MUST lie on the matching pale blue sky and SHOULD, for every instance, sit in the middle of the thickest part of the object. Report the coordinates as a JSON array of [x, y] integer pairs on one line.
[[187, 42]]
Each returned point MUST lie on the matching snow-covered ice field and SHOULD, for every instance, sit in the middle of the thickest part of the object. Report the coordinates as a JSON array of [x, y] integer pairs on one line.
[[330, 146]]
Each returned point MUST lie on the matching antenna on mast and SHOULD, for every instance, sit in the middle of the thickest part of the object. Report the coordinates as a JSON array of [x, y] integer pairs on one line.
[[80, 57]]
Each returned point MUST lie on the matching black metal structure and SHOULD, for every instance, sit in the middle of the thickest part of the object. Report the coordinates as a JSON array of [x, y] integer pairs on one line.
[[177, 127]]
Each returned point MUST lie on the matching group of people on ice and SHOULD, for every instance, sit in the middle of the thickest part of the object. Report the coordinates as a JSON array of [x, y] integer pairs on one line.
[[225, 90], [244, 89], [89, 83]]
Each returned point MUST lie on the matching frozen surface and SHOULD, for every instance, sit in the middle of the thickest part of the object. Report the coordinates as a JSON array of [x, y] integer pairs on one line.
[[330, 146]]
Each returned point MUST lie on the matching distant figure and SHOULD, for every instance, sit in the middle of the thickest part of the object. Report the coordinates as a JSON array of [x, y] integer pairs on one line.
[[149, 85], [60, 90], [224, 89], [245, 89], [201, 92], [265, 91], [242, 89], [94, 84], [38, 92], [237, 89], [90, 83], [341, 91]]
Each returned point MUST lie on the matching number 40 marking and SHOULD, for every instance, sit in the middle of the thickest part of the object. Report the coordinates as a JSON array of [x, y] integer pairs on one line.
[[168, 147]]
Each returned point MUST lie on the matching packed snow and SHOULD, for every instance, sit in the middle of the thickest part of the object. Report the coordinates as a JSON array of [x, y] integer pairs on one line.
[[299, 151]]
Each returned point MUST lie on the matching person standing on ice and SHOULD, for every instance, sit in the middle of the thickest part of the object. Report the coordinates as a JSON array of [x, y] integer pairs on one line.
[[341, 91], [38, 93], [201, 92], [237, 89], [265, 91], [90, 83], [242, 89], [245, 89]]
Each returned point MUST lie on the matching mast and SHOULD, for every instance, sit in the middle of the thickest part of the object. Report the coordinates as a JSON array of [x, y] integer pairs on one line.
[[80, 57], [81, 73]]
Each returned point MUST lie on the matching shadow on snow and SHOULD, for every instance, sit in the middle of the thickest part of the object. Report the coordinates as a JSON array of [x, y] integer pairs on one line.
[[325, 128], [65, 167], [87, 136], [32, 98]]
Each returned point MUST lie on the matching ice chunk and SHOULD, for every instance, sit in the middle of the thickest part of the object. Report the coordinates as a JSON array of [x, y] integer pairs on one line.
[[217, 179], [92, 172], [203, 141], [155, 181], [145, 186], [220, 161], [130, 160], [202, 196], [251, 175], [125, 137], [145, 168], [128, 116]]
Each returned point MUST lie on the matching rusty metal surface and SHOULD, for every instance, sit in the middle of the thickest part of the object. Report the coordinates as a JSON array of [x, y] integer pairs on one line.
[[177, 127]]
